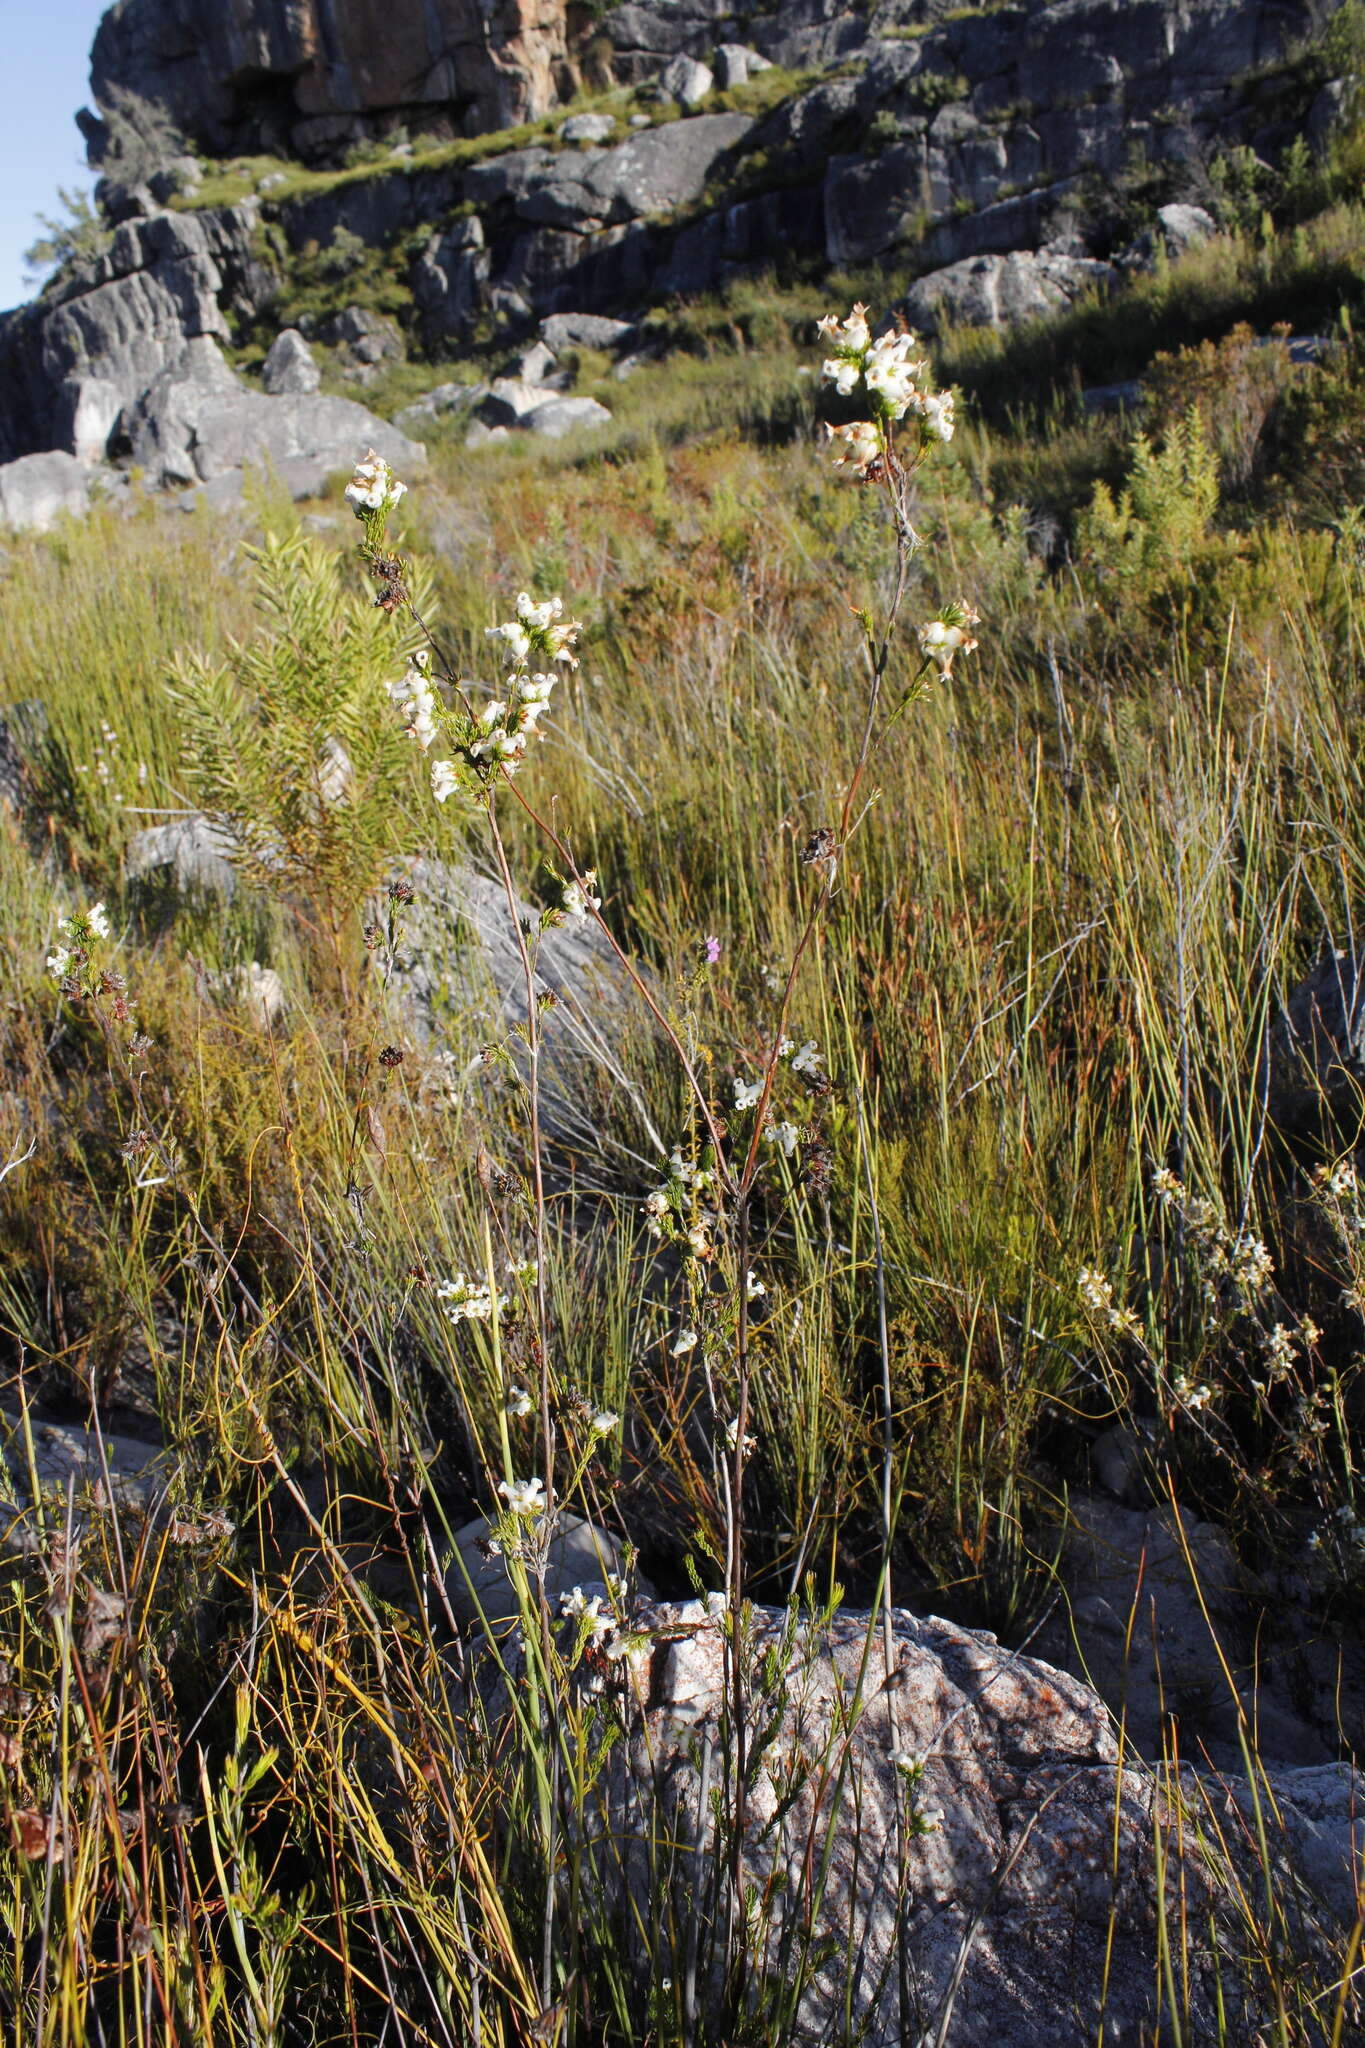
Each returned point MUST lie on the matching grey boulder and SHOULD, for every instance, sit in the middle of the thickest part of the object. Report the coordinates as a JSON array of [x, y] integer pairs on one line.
[[736, 64], [198, 422], [88, 410], [441, 402], [588, 128], [1185, 227], [290, 366], [585, 330], [459, 983], [662, 168], [191, 851], [1031, 1892], [998, 291], [535, 365], [566, 416], [509, 401], [1317, 1043], [451, 277], [89, 1469], [652, 172], [687, 81], [578, 1555], [367, 337], [132, 311], [36, 490]]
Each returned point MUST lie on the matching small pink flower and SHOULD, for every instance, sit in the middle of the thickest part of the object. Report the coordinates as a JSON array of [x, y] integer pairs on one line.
[[712, 950]]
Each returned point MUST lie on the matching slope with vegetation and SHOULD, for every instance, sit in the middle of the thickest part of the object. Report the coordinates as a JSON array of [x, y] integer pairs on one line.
[[1072, 1172]]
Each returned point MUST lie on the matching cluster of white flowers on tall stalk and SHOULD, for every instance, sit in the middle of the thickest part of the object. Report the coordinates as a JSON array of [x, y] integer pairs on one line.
[[887, 377], [537, 642], [703, 1204], [374, 490]]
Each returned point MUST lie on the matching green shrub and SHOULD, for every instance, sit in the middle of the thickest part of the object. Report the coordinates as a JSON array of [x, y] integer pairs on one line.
[[289, 741], [1160, 521]]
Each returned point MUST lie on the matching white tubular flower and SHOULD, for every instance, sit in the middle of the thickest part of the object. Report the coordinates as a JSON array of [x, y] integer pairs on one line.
[[853, 333], [579, 899], [843, 372], [1094, 1290], [98, 920], [421, 725], [890, 375], [746, 1092], [732, 1438], [936, 413], [941, 639], [539, 627], [507, 747], [862, 445], [685, 1341], [468, 1301], [518, 1402], [587, 1611], [538, 616], [444, 780], [756, 1289], [1251, 1264], [523, 1496], [603, 1422], [58, 962], [416, 701], [517, 638], [808, 1060], [785, 1135], [374, 487]]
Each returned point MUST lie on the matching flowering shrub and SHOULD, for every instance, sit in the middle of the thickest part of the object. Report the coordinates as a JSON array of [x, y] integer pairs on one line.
[[703, 1207]]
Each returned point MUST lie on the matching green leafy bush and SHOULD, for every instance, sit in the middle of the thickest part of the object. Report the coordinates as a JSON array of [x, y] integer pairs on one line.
[[1160, 521], [288, 740]]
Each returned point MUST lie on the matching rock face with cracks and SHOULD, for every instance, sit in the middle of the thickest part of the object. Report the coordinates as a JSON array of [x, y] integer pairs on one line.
[[307, 75]]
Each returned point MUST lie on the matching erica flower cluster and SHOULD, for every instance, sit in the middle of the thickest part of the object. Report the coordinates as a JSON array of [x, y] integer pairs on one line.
[[498, 735], [538, 629], [807, 1062], [887, 375], [77, 935], [683, 1208], [416, 701], [468, 1301], [374, 489], [1234, 1269]]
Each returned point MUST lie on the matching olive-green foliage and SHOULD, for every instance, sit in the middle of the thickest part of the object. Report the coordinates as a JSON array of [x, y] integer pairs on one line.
[[1161, 518], [80, 234], [291, 742]]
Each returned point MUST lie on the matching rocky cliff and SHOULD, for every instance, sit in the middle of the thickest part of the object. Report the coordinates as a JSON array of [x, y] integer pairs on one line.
[[308, 76], [977, 147]]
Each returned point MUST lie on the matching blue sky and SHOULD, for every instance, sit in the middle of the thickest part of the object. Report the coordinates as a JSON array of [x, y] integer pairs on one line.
[[46, 46]]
